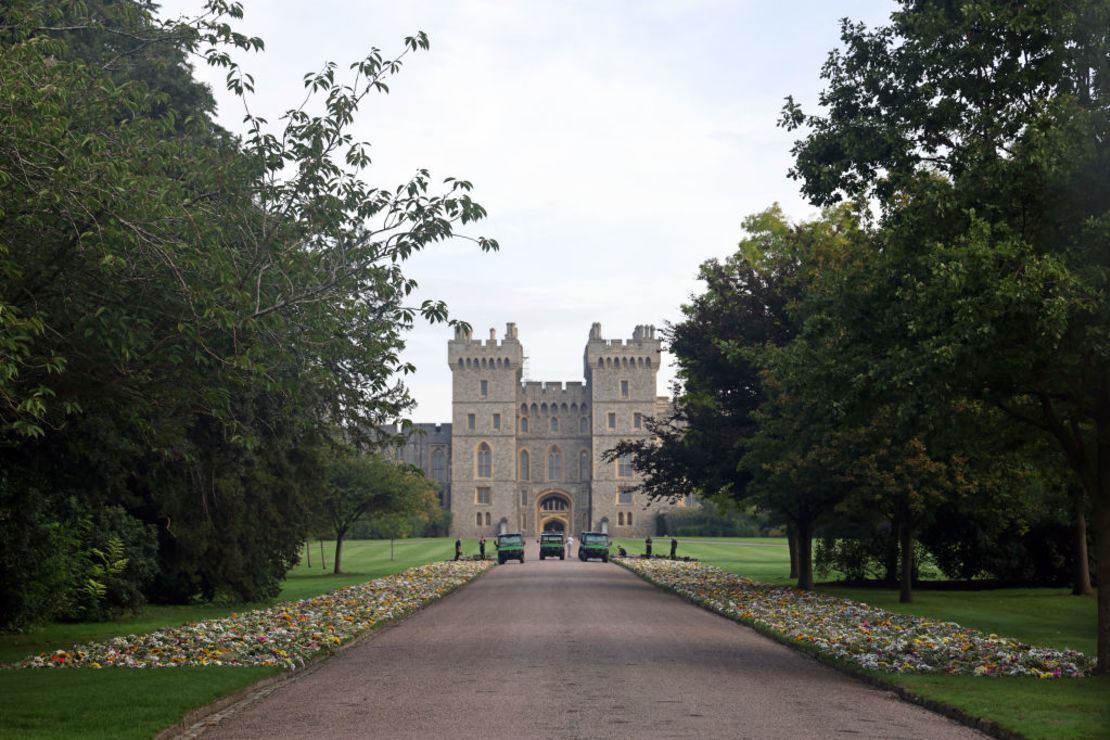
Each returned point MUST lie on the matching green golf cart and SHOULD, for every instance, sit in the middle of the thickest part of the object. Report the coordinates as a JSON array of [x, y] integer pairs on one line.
[[552, 545], [593, 545], [509, 547]]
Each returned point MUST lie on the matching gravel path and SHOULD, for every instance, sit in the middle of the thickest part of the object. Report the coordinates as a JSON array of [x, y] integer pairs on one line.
[[568, 649]]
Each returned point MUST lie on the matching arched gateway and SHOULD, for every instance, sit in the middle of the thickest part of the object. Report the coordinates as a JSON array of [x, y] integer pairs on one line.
[[554, 512]]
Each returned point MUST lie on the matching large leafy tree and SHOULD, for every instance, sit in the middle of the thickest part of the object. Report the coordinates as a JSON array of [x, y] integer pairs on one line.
[[980, 130], [182, 311]]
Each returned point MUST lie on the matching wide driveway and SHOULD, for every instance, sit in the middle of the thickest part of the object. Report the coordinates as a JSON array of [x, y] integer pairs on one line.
[[569, 649]]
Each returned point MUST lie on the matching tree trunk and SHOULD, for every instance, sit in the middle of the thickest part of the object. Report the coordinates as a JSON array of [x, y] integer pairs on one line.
[[805, 556], [338, 550], [792, 545], [1081, 570], [1101, 506], [890, 564], [905, 535]]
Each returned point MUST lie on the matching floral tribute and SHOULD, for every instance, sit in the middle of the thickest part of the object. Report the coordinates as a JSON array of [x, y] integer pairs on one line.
[[285, 635], [870, 637]]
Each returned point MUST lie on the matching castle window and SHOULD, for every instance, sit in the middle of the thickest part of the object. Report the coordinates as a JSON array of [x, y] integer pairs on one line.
[[484, 389], [524, 409], [612, 420], [554, 423], [574, 407], [583, 465], [583, 425], [534, 410], [624, 495], [470, 422], [637, 421], [647, 361], [478, 518], [624, 466], [627, 519], [524, 464], [485, 461], [439, 466], [543, 408], [601, 362], [584, 409], [460, 362], [563, 408], [524, 423], [553, 503], [624, 389], [624, 362], [488, 518], [481, 496], [523, 499], [620, 518], [497, 422], [640, 361], [554, 464]]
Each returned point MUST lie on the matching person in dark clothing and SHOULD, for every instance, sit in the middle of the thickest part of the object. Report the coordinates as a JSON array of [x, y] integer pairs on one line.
[[458, 548], [674, 547], [482, 548], [647, 546]]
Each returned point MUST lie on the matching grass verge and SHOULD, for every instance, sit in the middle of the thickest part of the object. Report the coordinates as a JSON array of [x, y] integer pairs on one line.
[[1073, 708], [139, 703]]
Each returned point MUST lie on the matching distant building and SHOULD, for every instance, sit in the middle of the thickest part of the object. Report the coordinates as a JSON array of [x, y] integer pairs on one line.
[[527, 456]]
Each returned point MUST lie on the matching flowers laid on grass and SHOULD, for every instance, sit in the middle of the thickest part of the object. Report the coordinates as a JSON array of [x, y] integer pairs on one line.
[[285, 635], [872, 638]]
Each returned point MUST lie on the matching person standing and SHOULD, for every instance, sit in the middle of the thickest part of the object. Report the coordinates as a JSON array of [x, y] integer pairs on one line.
[[482, 548], [647, 546], [569, 545], [458, 548], [674, 547]]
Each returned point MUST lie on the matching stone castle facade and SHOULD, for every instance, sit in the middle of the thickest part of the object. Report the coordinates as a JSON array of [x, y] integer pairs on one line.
[[528, 456]]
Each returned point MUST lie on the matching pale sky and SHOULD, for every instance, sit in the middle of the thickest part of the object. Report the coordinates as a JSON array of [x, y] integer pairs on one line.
[[616, 145]]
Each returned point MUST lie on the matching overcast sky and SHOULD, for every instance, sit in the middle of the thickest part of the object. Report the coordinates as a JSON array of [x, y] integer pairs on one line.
[[616, 144]]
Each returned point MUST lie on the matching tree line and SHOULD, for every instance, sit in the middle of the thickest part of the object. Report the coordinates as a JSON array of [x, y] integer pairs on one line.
[[200, 332], [924, 369]]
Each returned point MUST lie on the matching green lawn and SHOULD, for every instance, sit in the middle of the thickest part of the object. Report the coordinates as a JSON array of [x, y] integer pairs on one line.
[[132, 703], [1078, 708]]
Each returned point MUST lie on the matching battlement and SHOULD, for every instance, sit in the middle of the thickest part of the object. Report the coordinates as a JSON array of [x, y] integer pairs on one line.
[[464, 352], [572, 390]]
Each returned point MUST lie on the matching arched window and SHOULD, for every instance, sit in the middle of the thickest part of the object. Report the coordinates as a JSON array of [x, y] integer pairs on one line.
[[439, 466], [460, 362], [648, 361], [478, 518], [554, 464], [583, 465], [485, 461], [489, 518], [524, 464], [535, 409], [554, 423], [574, 407], [563, 408], [627, 519], [584, 409], [524, 423], [583, 425], [553, 503], [543, 408], [524, 409], [620, 518]]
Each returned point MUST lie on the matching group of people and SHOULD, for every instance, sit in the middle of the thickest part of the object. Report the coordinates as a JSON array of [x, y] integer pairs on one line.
[[647, 547]]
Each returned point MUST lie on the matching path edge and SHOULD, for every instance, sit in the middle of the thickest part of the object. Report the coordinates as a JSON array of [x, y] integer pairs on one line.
[[194, 717], [986, 726]]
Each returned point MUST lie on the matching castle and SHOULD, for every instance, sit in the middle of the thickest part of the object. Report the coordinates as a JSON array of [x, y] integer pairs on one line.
[[528, 456]]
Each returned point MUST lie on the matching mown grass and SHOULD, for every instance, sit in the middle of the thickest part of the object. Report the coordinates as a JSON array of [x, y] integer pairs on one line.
[[1073, 708], [139, 703]]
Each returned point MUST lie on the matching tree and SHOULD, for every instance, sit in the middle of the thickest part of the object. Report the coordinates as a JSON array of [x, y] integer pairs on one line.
[[980, 131], [184, 313], [364, 485]]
